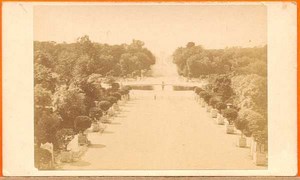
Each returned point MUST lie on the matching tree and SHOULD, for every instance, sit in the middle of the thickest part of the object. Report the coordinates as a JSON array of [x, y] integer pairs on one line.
[[44, 76], [85, 57], [213, 101], [202, 94], [42, 96], [197, 90], [194, 60], [68, 77], [181, 56], [242, 125], [69, 104], [111, 99], [47, 124], [90, 90], [115, 86], [66, 62], [85, 46], [82, 123], [117, 95], [251, 91], [95, 113], [63, 137], [207, 97], [220, 106], [257, 122], [44, 59], [190, 44], [42, 157], [231, 115], [105, 105]]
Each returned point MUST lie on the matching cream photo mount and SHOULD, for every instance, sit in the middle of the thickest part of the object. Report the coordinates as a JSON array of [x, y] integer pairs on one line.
[[18, 94]]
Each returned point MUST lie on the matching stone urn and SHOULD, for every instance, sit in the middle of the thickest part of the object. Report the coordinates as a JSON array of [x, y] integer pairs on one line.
[[105, 119], [220, 120], [116, 107], [95, 127], [82, 139], [214, 113], [208, 108], [260, 158], [202, 103], [111, 112], [242, 142], [66, 156]]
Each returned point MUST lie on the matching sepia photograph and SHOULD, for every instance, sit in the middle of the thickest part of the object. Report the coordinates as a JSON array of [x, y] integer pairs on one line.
[[150, 87]]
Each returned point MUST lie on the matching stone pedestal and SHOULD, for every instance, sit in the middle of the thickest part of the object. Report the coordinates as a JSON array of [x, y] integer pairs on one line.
[[220, 120], [230, 129], [260, 158], [242, 142], [214, 113]]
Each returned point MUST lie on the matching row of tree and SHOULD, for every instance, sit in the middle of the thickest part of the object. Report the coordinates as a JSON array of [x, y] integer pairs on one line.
[[236, 77], [62, 62], [69, 92], [195, 61]]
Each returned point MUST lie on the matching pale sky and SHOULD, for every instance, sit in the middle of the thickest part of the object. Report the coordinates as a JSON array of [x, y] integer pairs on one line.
[[163, 28]]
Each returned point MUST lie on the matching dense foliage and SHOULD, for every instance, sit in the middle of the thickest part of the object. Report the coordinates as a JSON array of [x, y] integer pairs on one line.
[[69, 77], [195, 61], [64, 61], [236, 77]]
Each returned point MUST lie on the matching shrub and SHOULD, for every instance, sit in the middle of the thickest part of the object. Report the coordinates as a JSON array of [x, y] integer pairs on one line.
[[207, 97], [202, 94], [213, 101], [63, 137], [69, 104], [117, 95], [220, 106], [82, 123], [261, 136], [257, 124], [115, 86], [126, 90], [95, 113], [122, 91], [105, 105], [42, 157], [47, 125], [231, 114], [251, 91], [111, 99], [42, 96], [242, 125], [197, 90]]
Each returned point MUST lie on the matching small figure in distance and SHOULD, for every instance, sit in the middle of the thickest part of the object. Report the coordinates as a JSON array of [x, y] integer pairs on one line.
[[162, 85]]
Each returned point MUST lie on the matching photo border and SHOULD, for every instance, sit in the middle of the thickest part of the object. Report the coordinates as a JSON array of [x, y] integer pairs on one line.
[[146, 1]]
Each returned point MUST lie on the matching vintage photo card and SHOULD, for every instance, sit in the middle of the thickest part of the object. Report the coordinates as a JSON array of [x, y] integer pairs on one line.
[[160, 89]]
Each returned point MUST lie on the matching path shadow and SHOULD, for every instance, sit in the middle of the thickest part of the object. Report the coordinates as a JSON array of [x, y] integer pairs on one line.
[[121, 116], [129, 105], [233, 133], [124, 111], [80, 163], [96, 146], [107, 132], [115, 123]]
